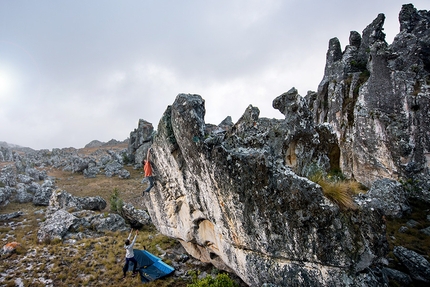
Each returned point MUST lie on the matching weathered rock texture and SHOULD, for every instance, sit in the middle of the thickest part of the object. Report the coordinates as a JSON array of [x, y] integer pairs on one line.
[[233, 197], [377, 98]]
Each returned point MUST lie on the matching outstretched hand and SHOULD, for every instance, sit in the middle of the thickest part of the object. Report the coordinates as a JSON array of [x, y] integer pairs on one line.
[[137, 231]]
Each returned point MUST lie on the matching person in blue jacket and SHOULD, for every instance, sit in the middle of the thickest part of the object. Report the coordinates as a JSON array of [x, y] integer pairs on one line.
[[129, 254]]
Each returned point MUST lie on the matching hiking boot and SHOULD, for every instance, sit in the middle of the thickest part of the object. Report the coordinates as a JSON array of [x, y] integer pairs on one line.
[[134, 274]]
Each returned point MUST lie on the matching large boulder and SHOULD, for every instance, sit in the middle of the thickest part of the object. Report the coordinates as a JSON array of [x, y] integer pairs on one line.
[[6, 154], [8, 176], [61, 199], [55, 226], [92, 170], [5, 194], [111, 222], [21, 194], [43, 194], [68, 216], [240, 203], [113, 168], [136, 217]]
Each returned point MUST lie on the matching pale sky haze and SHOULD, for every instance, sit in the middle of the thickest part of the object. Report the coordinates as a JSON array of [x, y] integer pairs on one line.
[[76, 71]]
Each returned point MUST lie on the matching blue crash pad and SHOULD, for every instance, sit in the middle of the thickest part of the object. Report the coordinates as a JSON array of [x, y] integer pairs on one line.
[[150, 267]]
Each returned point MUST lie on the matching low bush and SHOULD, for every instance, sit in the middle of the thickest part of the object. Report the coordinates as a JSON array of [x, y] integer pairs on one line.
[[221, 280], [116, 202]]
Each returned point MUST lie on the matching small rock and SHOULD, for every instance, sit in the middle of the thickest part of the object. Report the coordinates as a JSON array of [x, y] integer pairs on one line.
[[10, 247], [403, 229], [426, 231], [412, 223], [4, 217]]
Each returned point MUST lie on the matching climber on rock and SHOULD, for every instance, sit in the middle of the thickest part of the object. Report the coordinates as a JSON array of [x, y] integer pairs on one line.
[[129, 254], [148, 172]]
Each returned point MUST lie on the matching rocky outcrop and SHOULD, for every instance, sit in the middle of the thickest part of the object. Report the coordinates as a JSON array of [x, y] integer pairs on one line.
[[377, 98], [19, 178], [235, 198], [140, 141], [68, 216]]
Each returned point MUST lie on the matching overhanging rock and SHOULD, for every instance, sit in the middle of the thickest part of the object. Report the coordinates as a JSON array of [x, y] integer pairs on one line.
[[234, 198]]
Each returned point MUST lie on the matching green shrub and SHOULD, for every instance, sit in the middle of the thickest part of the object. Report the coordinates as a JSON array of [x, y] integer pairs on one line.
[[221, 280], [116, 202]]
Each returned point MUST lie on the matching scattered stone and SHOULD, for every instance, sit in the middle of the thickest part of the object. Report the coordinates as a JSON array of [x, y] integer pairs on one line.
[[10, 248], [398, 276], [417, 265], [4, 217], [412, 223], [426, 231], [403, 229]]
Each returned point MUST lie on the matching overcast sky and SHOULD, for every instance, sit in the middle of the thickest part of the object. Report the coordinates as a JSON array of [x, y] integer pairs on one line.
[[76, 71]]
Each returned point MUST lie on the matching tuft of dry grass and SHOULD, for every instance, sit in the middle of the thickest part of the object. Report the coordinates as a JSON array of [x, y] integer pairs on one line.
[[339, 191]]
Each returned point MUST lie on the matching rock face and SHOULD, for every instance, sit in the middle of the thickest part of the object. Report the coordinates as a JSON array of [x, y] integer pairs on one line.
[[376, 97], [388, 196], [234, 198]]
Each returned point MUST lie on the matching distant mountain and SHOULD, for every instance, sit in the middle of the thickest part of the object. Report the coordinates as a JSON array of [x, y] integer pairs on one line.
[[94, 143], [15, 147], [97, 143]]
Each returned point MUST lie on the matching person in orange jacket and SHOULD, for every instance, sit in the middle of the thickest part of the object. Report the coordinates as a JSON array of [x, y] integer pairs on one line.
[[148, 172]]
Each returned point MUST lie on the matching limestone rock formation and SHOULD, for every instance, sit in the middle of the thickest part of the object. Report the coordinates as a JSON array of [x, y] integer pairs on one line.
[[377, 98], [140, 141], [240, 203]]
